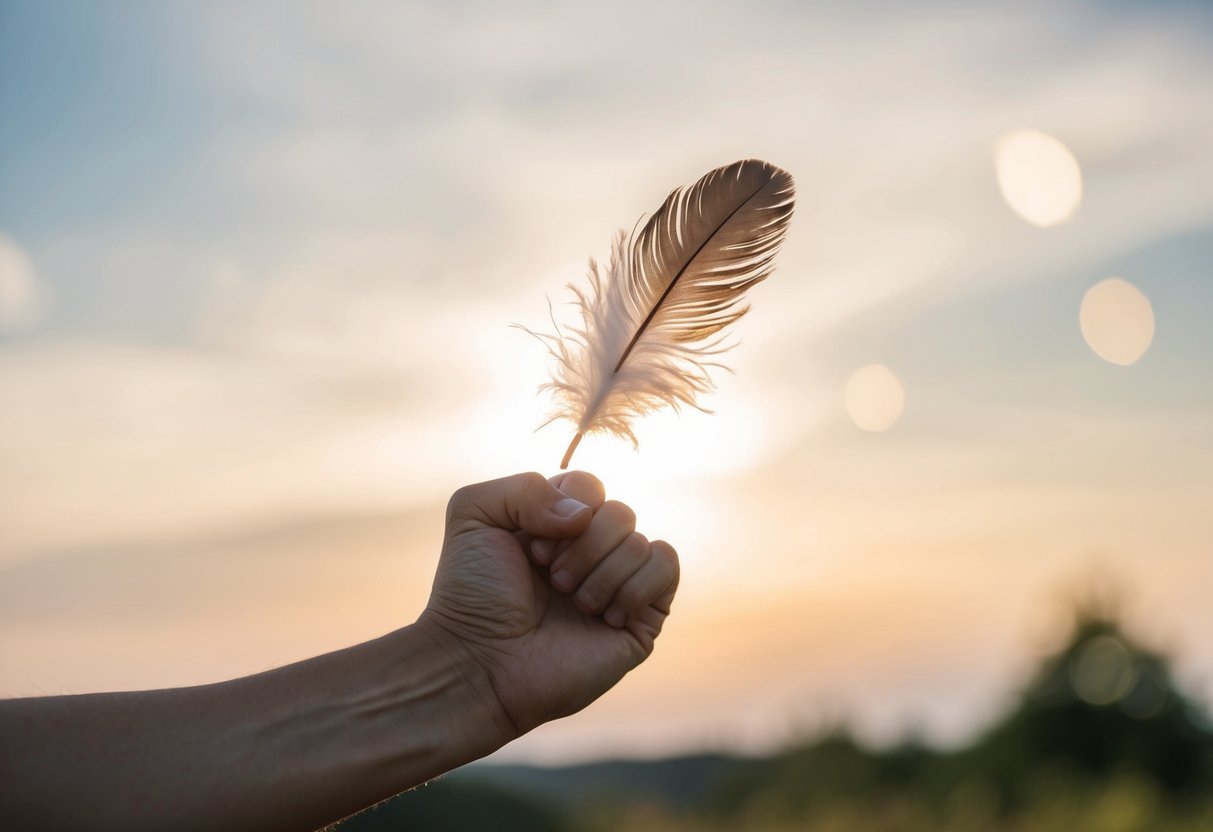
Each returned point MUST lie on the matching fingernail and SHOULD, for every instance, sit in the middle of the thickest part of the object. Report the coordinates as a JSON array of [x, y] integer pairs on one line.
[[568, 507], [562, 580], [542, 549], [615, 617]]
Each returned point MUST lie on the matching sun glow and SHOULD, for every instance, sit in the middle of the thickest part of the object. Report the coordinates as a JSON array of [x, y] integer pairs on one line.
[[669, 482]]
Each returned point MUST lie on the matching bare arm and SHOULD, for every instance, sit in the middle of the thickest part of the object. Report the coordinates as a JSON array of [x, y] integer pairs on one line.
[[294, 748], [497, 652]]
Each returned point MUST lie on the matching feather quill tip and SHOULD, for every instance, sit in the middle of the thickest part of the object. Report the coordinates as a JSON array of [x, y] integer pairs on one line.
[[568, 455]]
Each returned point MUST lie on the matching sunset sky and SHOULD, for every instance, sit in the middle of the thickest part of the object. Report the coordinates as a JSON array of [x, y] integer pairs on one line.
[[258, 264]]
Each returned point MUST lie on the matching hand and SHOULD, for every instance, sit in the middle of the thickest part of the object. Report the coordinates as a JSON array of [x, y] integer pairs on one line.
[[550, 591]]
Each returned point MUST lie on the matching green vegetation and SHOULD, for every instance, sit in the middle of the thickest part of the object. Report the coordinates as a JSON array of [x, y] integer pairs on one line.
[[1100, 741]]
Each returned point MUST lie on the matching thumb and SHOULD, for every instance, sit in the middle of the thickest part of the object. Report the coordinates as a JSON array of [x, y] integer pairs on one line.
[[526, 502]]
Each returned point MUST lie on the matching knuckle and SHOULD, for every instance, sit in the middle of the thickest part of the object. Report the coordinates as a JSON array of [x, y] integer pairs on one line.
[[584, 482], [635, 547], [618, 514], [580, 564], [667, 553], [673, 568], [532, 480], [461, 497], [576, 559], [630, 598], [592, 596]]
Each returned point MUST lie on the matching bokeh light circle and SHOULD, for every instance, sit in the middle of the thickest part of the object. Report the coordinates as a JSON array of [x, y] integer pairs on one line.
[[21, 301], [1117, 321], [1102, 672], [874, 397], [1038, 176]]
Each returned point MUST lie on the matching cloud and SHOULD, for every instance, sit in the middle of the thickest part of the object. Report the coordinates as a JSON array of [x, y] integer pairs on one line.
[[24, 300], [140, 442], [516, 156]]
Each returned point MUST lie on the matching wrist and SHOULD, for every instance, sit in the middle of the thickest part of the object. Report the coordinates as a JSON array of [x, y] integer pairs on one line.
[[472, 714]]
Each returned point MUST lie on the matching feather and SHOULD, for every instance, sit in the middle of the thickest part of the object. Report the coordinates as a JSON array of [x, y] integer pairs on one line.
[[653, 320]]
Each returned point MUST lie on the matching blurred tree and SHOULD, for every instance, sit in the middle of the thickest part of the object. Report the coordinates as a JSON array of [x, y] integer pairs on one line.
[[1102, 706]]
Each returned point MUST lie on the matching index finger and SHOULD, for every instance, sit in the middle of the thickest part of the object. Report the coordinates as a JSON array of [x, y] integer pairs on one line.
[[579, 485]]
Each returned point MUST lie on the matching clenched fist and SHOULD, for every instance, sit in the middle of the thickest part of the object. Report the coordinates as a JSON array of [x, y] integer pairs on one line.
[[550, 590]]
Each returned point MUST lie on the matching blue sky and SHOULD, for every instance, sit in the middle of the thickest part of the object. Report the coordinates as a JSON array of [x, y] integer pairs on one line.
[[257, 263]]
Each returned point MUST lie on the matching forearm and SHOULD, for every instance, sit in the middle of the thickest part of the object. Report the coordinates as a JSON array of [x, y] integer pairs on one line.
[[293, 748]]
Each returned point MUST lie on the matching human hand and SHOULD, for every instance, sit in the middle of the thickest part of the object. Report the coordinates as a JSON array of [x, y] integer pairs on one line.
[[549, 590]]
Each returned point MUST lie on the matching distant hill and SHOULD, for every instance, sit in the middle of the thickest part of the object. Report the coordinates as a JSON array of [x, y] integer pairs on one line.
[[677, 782], [456, 804]]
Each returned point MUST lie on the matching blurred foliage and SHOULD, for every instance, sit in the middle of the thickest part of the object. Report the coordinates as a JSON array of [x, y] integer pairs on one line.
[[1101, 740]]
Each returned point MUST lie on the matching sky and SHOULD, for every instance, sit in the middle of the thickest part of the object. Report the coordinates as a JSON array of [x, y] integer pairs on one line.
[[258, 264]]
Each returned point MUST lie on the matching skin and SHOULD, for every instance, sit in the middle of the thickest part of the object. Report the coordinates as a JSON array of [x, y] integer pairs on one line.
[[506, 643]]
